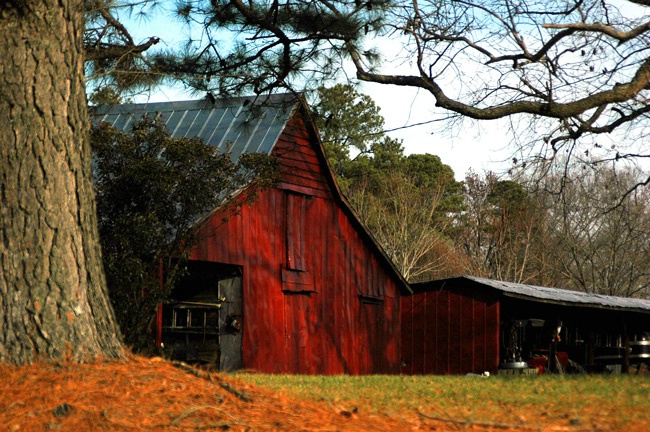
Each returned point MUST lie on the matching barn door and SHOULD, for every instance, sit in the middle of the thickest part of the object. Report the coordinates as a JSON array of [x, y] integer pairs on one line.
[[302, 349], [299, 333], [230, 323]]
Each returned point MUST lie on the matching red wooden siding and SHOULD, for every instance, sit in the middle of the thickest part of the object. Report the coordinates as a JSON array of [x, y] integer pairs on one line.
[[316, 297], [450, 332], [299, 163]]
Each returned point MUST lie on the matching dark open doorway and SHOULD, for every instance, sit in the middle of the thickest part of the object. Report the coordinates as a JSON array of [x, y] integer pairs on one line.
[[202, 320]]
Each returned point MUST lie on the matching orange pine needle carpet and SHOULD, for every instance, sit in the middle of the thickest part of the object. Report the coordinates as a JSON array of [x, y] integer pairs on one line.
[[153, 394]]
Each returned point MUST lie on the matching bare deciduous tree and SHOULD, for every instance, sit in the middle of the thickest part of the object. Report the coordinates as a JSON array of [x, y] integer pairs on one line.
[[503, 230], [406, 221], [601, 244]]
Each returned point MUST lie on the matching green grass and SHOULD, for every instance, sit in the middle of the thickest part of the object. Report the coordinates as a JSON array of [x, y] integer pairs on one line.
[[495, 398]]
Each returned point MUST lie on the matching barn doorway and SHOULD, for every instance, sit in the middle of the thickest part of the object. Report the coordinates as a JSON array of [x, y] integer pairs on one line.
[[202, 320]]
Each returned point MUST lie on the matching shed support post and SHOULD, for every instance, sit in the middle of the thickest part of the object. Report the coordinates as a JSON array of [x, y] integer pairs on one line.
[[589, 363], [626, 354]]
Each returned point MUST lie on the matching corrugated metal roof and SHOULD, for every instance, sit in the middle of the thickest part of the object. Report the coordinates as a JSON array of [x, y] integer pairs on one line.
[[556, 295], [239, 125]]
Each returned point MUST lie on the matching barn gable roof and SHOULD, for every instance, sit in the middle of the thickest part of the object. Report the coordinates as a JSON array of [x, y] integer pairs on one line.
[[240, 125], [544, 294]]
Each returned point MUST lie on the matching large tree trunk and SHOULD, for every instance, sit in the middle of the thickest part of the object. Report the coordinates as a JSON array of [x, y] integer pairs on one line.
[[53, 297]]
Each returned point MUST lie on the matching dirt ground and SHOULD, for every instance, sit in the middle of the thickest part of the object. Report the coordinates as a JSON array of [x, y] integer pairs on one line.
[[154, 394]]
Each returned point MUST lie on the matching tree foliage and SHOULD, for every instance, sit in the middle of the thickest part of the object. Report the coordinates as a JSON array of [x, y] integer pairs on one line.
[[114, 58], [352, 131], [241, 48], [350, 126], [152, 190]]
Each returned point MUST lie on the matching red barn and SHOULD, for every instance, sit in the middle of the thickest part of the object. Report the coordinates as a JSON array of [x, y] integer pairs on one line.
[[293, 283]]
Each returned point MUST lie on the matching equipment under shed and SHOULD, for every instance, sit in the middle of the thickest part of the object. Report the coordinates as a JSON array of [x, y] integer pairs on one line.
[[473, 325]]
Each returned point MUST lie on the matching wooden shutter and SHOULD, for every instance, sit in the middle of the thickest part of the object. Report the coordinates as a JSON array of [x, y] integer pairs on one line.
[[296, 214], [296, 274]]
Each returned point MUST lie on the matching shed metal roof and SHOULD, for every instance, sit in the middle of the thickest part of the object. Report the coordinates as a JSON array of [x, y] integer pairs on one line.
[[238, 125], [551, 295]]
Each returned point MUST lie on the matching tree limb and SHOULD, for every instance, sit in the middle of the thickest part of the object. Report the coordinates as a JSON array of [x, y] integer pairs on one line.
[[610, 31], [618, 93], [116, 51]]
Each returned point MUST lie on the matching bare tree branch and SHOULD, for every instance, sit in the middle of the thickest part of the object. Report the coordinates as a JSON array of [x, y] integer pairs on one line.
[[621, 36], [618, 93]]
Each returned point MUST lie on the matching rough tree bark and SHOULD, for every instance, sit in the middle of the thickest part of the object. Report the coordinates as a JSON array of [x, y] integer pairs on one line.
[[53, 296]]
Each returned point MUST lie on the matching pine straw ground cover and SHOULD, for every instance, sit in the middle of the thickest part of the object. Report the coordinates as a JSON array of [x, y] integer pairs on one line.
[[154, 394]]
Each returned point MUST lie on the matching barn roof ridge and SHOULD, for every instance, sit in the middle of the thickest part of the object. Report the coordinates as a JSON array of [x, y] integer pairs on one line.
[[548, 294]]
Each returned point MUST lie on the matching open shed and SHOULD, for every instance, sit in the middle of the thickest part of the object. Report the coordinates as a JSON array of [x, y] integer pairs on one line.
[[471, 325], [292, 283]]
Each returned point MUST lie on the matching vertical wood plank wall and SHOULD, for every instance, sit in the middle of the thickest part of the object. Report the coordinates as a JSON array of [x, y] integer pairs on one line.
[[326, 328], [453, 330]]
